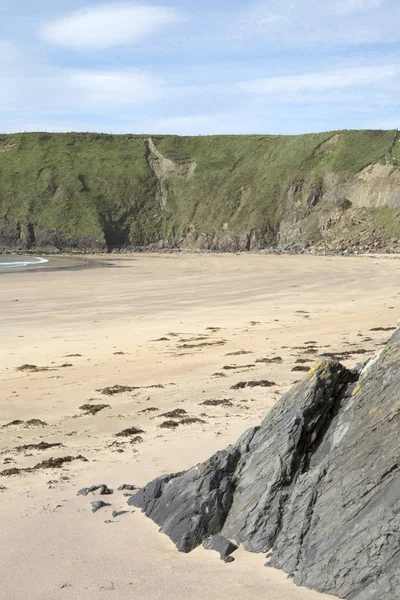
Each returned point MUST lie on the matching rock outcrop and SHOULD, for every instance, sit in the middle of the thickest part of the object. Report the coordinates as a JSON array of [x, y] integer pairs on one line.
[[318, 482]]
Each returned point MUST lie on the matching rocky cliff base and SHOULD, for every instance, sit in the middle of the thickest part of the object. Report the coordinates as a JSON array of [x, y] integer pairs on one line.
[[318, 482]]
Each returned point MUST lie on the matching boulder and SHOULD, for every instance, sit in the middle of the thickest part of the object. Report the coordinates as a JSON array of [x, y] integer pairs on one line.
[[318, 483], [220, 544]]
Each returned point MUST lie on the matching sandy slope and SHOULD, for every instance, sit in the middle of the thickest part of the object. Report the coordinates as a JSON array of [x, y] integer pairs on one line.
[[51, 545]]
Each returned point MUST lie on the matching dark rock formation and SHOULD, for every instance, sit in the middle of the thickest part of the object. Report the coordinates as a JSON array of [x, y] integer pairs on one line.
[[318, 483], [98, 504], [220, 544], [118, 513], [23, 235], [103, 490]]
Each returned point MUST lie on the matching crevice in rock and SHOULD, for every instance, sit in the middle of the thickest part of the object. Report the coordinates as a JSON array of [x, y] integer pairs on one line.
[[116, 231], [318, 436], [30, 236], [310, 440]]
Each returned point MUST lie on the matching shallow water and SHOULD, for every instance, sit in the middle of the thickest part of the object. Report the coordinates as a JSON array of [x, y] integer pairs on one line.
[[20, 262], [13, 263]]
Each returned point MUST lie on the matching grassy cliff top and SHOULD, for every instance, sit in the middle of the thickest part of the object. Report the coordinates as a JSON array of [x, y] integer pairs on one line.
[[104, 186]]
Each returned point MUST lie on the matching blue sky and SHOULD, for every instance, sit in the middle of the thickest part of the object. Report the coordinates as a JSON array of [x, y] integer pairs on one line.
[[199, 67]]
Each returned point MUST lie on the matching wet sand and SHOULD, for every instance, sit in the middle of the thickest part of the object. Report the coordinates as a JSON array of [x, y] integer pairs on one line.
[[15, 263], [166, 326]]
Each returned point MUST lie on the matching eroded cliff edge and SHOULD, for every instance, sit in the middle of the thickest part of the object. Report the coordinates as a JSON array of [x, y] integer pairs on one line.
[[318, 482], [334, 191]]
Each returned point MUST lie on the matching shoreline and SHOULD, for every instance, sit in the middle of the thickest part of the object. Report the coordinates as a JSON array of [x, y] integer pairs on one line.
[[68, 262], [139, 251]]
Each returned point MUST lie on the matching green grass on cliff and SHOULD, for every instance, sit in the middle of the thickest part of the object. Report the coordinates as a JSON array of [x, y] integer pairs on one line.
[[263, 165], [95, 186]]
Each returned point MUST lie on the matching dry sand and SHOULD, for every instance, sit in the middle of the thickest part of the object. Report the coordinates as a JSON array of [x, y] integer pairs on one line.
[[146, 322]]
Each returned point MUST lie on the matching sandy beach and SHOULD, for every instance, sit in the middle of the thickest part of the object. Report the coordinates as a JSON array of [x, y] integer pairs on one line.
[[176, 331]]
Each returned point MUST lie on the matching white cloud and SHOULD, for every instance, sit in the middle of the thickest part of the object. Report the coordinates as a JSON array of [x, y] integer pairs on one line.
[[261, 16], [108, 25], [114, 88], [309, 22], [345, 7], [15, 70], [35, 94], [320, 81], [28, 85]]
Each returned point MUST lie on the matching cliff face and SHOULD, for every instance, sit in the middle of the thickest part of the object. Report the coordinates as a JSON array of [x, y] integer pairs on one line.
[[87, 191], [318, 482]]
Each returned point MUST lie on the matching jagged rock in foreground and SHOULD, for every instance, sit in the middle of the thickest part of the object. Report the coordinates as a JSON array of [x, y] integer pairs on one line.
[[318, 482]]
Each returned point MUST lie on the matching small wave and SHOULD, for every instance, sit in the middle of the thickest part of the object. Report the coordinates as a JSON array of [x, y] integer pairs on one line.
[[35, 260]]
